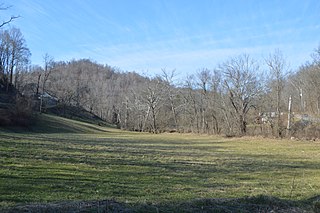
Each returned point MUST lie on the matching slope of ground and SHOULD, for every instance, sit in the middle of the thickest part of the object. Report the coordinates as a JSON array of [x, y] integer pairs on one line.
[[46, 123], [55, 124], [76, 113], [70, 164]]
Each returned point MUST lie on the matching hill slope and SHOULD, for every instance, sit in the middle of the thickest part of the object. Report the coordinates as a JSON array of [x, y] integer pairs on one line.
[[46, 123]]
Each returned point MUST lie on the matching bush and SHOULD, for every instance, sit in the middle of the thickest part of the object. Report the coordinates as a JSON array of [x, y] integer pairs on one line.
[[305, 129], [22, 113], [18, 113]]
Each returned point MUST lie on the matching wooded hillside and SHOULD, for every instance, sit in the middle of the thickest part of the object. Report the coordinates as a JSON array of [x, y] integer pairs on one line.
[[240, 96]]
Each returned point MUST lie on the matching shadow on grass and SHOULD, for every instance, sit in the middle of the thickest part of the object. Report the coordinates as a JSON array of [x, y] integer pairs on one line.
[[260, 203], [54, 124], [61, 167]]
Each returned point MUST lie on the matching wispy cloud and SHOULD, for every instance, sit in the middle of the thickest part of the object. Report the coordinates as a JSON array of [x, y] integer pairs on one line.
[[147, 36], [187, 53]]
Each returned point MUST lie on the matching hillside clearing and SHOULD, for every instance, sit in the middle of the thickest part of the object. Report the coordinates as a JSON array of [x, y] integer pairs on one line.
[[102, 163]]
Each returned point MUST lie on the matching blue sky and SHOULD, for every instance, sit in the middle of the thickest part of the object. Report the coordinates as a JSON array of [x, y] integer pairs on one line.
[[186, 35]]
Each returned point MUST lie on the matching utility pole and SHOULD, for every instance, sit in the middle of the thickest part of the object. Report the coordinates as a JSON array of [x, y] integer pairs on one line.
[[301, 101], [289, 115]]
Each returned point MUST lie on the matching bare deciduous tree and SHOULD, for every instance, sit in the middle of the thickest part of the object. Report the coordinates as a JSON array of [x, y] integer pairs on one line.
[[153, 98], [214, 101], [316, 56], [278, 70], [168, 78], [191, 103], [204, 77], [13, 54], [242, 86], [48, 67]]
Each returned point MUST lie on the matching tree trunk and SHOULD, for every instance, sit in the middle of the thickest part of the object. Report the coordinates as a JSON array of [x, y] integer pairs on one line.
[[145, 120], [243, 125], [154, 126], [38, 84], [279, 128], [173, 109], [215, 125], [126, 118]]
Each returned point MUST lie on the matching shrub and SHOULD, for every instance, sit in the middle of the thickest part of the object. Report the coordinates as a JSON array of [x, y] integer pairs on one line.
[[18, 113], [22, 113]]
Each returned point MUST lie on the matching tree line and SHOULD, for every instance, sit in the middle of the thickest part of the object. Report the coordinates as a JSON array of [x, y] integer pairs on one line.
[[240, 96]]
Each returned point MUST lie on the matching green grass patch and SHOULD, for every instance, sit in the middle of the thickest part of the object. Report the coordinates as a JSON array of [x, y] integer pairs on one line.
[[90, 162]]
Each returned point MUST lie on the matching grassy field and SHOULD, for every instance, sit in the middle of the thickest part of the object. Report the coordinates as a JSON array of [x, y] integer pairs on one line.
[[77, 161]]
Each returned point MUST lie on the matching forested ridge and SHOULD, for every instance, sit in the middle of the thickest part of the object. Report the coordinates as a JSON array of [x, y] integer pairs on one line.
[[240, 96]]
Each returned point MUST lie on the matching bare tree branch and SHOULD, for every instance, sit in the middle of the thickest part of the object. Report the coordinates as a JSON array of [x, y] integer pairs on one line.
[[8, 21], [3, 7]]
